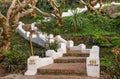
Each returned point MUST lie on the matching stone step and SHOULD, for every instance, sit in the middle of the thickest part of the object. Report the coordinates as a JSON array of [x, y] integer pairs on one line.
[[70, 60], [63, 69], [73, 51], [76, 54], [57, 77]]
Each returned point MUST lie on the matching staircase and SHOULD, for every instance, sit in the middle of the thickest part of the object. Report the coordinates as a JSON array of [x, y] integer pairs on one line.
[[71, 66]]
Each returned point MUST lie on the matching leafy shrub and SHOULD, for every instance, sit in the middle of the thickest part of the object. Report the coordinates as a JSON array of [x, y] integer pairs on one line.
[[101, 41], [48, 27], [44, 5], [56, 31], [38, 17], [116, 24], [53, 46], [115, 41], [87, 24], [112, 63], [15, 60], [100, 21]]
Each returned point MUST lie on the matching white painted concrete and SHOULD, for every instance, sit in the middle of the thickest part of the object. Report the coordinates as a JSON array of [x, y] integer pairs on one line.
[[32, 65], [93, 62], [34, 62], [114, 3], [70, 44], [60, 39], [79, 47], [62, 47], [51, 38], [53, 54]]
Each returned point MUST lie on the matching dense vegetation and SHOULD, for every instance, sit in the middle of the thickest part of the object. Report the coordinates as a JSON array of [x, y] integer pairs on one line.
[[83, 24], [103, 31]]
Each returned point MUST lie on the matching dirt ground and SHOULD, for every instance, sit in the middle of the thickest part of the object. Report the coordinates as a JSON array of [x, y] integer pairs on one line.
[[3, 71]]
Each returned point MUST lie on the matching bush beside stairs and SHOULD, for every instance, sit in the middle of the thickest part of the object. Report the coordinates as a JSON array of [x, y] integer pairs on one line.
[[71, 66]]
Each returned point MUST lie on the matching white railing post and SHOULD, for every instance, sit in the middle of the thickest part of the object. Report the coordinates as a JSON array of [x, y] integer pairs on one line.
[[69, 44], [32, 65], [93, 62], [62, 46], [51, 38]]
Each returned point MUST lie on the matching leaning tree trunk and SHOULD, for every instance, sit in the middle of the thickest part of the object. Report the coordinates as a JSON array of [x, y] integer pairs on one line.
[[5, 35], [19, 9]]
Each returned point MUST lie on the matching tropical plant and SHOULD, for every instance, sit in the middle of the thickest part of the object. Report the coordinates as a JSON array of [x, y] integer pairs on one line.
[[75, 22]]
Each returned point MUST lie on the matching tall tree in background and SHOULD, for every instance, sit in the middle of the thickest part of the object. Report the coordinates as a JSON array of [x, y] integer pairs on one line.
[[19, 9]]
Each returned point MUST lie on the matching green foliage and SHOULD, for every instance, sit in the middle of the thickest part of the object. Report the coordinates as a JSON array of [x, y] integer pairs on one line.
[[49, 27], [15, 60], [112, 63], [100, 21], [118, 8], [101, 41], [82, 24], [87, 24], [75, 21], [56, 31], [44, 5], [38, 17], [4, 5], [115, 41], [72, 23], [116, 24], [19, 43], [53, 46], [3, 10]]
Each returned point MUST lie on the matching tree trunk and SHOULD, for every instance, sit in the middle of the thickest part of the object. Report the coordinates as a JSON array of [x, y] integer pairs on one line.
[[5, 35], [19, 9]]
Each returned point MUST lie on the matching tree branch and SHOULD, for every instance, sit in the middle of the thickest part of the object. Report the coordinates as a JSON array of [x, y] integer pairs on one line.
[[24, 4], [19, 2], [53, 4], [43, 13], [9, 12], [2, 17], [26, 12], [83, 2]]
